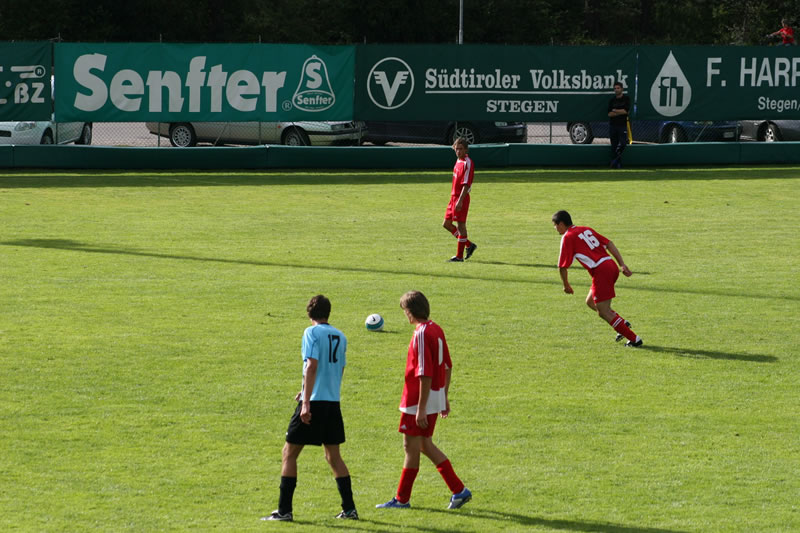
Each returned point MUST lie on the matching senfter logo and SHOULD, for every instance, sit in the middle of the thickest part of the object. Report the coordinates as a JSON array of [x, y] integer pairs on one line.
[[314, 92], [670, 93], [390, 83]]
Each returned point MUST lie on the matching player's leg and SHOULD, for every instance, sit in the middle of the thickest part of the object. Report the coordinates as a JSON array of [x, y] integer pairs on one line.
[[590, 301], [614, 139], [445, 468], [342, 476], [620, 325], [288, 482], [412, 446], [603, 279], [449, 226], [462, 238]]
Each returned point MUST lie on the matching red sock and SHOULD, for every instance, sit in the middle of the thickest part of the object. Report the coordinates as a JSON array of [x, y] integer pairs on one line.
[[406, 484], [462, 243], [618, 323], [448, 474], [455, 232]]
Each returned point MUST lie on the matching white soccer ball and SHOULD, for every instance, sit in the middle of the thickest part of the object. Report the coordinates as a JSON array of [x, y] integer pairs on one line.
[[374, 322]]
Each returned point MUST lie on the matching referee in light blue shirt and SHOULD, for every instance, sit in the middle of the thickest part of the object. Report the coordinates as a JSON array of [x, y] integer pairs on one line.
[[317, 420]]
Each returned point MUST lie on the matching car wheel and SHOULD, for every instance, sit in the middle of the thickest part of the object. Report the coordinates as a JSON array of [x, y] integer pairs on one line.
[[182, 135], [580, 133], [86, 135], [295, 137], [771, 133], [463, 130], [674, 135], [47, 137]]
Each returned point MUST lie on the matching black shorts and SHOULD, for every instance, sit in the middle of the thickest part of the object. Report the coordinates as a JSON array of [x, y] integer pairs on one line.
[[327, 426]]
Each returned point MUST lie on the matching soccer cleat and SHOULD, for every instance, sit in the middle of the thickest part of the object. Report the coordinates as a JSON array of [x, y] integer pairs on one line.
[[634, 344], [276, 515], [620, 336], [458, 500], [456, 259], [351, 514], [471, 250], [393, 504]]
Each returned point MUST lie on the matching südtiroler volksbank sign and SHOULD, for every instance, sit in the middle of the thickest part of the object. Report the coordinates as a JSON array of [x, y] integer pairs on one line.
[[484, 82], [122, 82]]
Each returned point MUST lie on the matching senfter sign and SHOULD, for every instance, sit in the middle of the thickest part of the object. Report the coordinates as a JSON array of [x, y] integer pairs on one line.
[[176, 82]]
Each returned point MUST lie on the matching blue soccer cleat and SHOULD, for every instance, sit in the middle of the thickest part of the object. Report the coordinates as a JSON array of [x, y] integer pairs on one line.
[[393, 504], [458, 500]]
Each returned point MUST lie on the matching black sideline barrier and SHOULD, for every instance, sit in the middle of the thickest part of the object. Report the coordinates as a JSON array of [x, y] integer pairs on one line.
[[376, 157]]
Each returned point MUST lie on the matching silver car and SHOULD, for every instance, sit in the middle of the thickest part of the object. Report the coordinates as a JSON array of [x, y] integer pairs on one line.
[[771, 130], [183, 134], [45, 132]]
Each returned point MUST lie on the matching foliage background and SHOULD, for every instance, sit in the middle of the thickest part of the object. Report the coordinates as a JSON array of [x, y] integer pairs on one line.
[[523, 22]]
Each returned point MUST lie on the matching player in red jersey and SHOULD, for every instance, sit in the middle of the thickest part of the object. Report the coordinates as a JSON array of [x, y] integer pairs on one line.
[[592, 251], [457, 209], [427, 381], [786, 33]]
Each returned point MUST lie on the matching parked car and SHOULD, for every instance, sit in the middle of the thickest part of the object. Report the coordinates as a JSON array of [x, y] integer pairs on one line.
[[435, 132], [45, 132], [771, 130], [655, 131], [182, 134]]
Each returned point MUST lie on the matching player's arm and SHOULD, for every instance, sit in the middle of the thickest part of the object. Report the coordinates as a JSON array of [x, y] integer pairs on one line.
[[612, 249], [564, 272], [308, 387], [424, 392], [447, 372]]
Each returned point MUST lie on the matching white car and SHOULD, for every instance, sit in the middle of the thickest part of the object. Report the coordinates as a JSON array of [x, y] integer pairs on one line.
[[45, 132], [182, 134]]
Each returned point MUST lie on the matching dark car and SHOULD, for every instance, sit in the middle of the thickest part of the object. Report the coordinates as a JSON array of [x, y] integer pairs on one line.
[[657, 131], [771, 130], [433, 132]]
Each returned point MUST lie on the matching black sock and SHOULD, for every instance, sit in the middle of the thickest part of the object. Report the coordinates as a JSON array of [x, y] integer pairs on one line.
[[287, 493], [346, 493]]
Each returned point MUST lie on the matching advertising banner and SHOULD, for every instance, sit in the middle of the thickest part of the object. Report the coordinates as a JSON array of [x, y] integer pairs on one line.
[[487, 82], [25, 88], [136, 82], [719, 83]]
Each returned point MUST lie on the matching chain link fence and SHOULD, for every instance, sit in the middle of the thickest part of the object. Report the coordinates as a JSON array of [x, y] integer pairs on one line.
[[399, 133]]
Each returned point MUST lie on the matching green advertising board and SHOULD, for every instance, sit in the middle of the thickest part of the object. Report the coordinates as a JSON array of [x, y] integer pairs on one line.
[[25, 89], [485, 82], [121, 82], [718, 83]]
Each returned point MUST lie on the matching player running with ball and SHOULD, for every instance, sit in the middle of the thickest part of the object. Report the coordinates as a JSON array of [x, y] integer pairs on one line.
[[592, 251]]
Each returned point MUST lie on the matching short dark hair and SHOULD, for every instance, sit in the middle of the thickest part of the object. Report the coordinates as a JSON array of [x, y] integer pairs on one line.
[[318, 308], [415, 303], [619, 83], [462, 141], [562, 216]]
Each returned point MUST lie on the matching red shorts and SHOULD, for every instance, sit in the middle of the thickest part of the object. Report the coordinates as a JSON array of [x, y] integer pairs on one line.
[[452, 214], [603, 279], [408, 425]]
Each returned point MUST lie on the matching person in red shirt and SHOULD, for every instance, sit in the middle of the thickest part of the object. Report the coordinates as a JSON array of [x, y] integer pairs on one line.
[[427, 382], [457, 209], [786, 33], [592, 251]]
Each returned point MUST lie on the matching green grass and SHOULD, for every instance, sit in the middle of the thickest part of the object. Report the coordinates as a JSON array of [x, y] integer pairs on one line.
[[150, 349]]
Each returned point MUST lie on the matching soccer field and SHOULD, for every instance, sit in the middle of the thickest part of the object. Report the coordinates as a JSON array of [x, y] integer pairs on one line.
[[150, 349]]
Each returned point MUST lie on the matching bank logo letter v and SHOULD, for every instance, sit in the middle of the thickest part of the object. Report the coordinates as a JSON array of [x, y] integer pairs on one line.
[[392, 94]]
